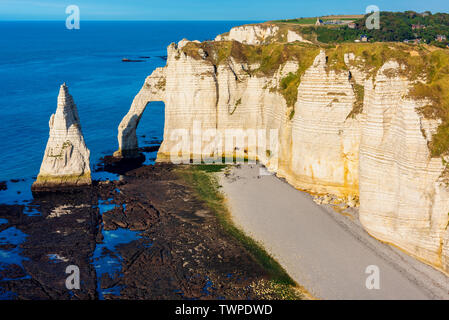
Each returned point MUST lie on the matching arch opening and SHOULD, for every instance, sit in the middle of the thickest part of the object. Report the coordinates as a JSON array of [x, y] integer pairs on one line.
[[150, 130]]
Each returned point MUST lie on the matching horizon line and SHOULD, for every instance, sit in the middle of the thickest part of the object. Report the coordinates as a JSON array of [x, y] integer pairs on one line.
[[128, 20]]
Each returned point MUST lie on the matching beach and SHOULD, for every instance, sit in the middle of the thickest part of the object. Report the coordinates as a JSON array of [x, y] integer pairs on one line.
[[323, 250]]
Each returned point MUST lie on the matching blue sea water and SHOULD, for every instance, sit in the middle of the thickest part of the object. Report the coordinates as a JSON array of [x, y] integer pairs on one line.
[[37, 57]]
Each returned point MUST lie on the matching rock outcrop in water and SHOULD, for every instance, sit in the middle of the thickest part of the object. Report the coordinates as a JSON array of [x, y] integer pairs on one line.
[[347, 128], [66, 158]]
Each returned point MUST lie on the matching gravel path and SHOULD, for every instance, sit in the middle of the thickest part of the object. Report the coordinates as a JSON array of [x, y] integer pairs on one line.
[[324, 251]]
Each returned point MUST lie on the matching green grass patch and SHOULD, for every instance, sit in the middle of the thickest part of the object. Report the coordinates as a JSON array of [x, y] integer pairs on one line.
[[436, 92], [299, 21], [372, 56], [289, 88], [210, 167], [359, 92]]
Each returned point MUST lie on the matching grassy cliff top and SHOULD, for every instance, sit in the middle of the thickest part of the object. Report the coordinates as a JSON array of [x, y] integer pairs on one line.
[[269, 57], [394, 26], [312, 20], [426, 66]]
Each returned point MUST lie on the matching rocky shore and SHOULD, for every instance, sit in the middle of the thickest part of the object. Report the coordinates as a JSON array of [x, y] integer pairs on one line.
[[145, 236]]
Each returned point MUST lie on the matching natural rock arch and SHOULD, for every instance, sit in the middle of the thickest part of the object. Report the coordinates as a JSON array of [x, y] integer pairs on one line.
[[152, 90]]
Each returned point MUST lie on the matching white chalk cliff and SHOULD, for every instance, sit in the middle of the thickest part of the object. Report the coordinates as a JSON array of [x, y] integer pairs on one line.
[[250, 34], [379, 155], [259, 34], [66, 158]]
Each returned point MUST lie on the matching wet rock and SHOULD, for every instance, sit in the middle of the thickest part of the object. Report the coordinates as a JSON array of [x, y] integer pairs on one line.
[[64, 234], [178, 249], [12, 271], [120, 165]]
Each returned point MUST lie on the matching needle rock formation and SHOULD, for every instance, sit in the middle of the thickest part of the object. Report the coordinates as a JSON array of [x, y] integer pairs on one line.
[[66, 158]]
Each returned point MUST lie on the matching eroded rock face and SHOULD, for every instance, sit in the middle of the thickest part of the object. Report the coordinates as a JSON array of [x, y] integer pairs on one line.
[[402, 200], [256, 34], [250, 34], [66, 158], [378, 153], [293, 36], [323, 154]]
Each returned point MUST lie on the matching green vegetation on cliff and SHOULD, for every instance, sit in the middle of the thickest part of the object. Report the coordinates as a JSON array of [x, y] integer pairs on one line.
[[369, 58], [425, 66], [436, 92], [269, 58]]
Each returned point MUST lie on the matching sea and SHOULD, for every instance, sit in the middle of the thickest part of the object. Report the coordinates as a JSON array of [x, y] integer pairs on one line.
[[35, 59]]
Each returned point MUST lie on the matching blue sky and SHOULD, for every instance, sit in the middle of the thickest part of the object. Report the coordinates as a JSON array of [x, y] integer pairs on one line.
[[203, 9]]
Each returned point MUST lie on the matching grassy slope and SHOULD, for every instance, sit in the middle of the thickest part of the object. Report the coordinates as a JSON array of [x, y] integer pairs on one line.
[[207, 189]]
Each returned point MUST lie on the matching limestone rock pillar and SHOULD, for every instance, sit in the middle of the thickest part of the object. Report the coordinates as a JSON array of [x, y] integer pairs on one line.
[[66, 158]]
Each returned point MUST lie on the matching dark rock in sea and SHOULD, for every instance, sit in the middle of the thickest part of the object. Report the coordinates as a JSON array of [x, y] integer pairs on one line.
[[132, 60], [149, 149], [120, 165], [69, 189], [3, 185], [153, 142], [12, 271]]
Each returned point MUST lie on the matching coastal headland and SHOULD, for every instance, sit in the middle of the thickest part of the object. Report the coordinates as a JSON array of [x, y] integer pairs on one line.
[[346, 155]]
